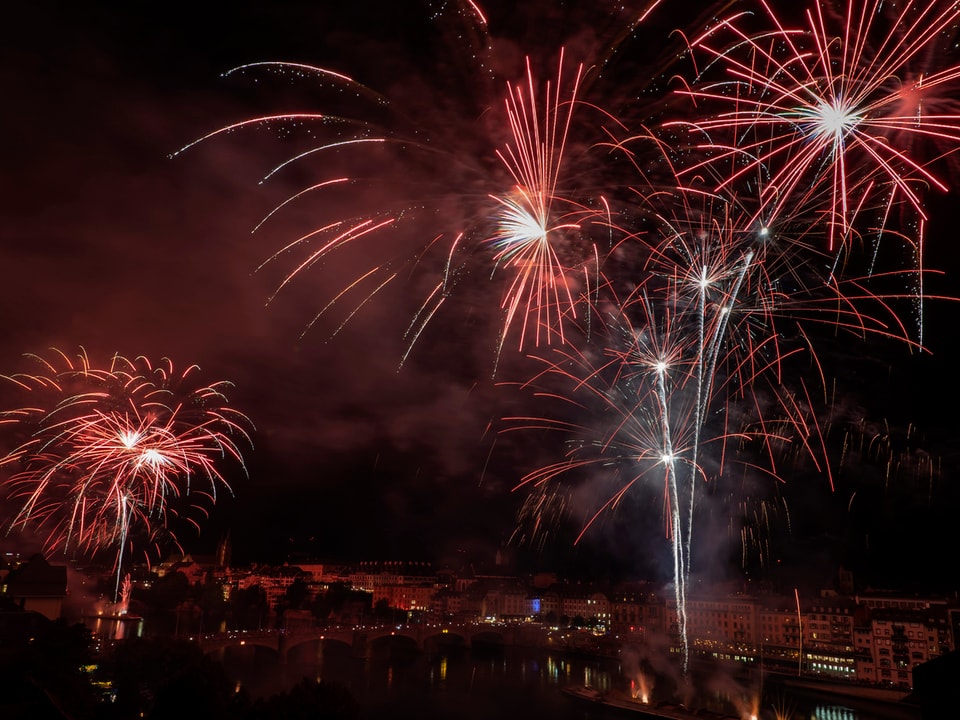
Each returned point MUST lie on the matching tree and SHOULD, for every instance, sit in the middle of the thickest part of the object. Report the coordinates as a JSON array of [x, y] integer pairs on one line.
[[46, 672], [248, 608], [307, 700], [161, 600], [167, 592], [212, 605], [333, 601], [297, 594], [199, 689], [164, 678], [382, 610]]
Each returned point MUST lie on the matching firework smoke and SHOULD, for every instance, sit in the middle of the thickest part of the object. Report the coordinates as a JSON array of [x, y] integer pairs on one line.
[[671, 264]]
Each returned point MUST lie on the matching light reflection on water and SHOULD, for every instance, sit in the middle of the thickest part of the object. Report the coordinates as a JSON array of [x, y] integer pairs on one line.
[[833, 713], [509, 682]]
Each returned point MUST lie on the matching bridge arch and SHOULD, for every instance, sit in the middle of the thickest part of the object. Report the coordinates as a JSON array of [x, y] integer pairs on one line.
[[445, 640], [317, 650], [251, 654], [395, 645]]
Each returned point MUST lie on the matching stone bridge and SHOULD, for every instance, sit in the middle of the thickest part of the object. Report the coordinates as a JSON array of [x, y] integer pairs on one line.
[[359, 638]]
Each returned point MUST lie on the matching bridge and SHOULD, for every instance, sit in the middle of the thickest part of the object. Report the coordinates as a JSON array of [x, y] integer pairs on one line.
[[359, 639]]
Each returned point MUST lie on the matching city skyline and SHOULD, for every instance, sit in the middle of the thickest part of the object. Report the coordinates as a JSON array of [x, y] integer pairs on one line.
[[114, 246]]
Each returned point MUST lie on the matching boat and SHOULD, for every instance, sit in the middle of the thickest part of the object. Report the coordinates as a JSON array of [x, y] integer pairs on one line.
[[623, 701], [844, 689], [584, 692], [894, 701]]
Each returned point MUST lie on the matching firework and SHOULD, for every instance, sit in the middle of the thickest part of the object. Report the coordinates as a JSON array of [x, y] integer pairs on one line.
[[526, 237], [104, 452], [827, 109], [675, 295], [690, 373], [643, 398], [525, 215], [839, 115]]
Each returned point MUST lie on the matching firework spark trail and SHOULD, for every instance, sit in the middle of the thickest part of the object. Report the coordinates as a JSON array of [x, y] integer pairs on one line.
[[528, 236], [534, 234], [635, 430], [704, 268], [711, 267], [703, 328], [109, 450], [815, 108], [702, 265], [652, 422], [730, 244]]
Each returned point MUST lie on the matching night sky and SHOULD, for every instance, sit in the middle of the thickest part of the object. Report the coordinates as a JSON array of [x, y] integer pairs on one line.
[[112, 242]]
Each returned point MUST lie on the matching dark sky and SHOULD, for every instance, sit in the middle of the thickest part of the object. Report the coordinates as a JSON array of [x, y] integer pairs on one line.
[[110, 244]]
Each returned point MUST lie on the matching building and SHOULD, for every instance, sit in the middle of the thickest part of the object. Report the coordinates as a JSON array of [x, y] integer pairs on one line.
[[718, 628], [406, 597], [829, 647], [37, 586], [273, 580]]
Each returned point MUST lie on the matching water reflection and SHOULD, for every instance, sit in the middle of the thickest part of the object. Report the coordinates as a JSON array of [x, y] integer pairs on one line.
[[503, 682], [114, 627], [832, 712]]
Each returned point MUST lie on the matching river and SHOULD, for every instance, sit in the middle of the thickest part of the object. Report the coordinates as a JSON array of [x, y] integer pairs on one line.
[[500, 683]]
